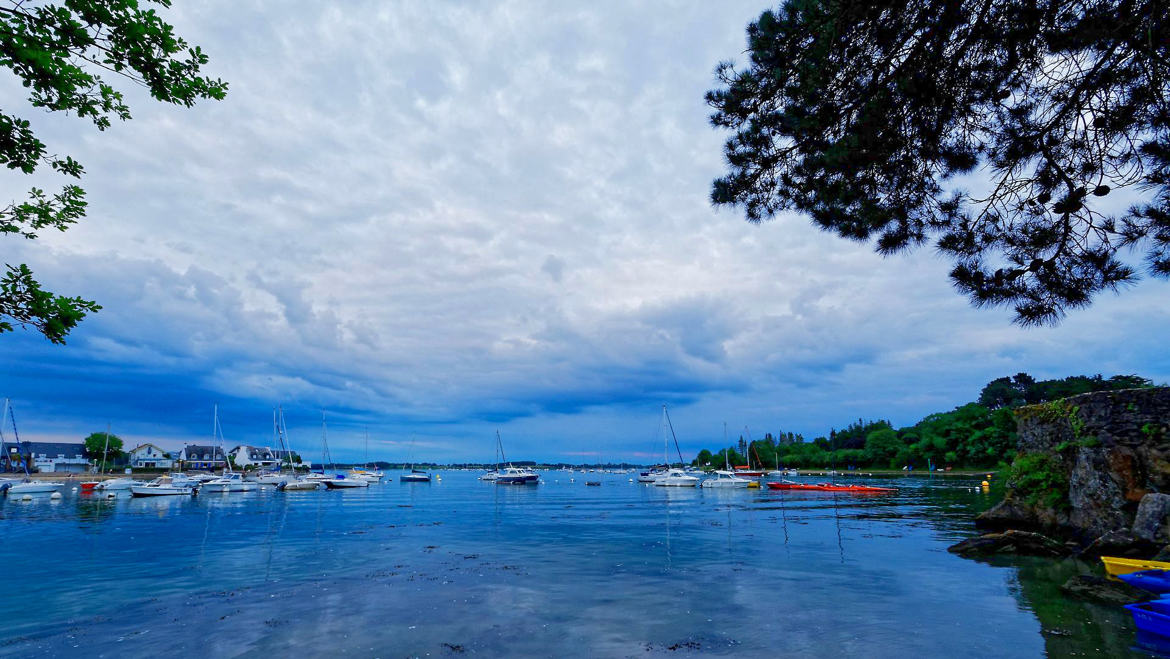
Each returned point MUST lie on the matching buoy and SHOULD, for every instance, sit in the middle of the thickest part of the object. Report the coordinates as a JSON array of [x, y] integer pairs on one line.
[[985, 484], [988, 476], [111, 495], [27, 497]]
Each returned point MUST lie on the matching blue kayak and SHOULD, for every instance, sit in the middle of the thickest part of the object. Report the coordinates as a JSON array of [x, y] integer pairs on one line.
[[1152, 617], [1155, 581]]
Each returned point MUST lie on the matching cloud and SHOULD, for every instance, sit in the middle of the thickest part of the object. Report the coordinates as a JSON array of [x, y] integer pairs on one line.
[[435, 219]]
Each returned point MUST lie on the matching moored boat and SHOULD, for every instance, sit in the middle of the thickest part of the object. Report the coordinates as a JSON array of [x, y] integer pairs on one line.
[[1116, 566], [165, 486], [34, 487], [830, 487], [1151, 617], [113, 484], [677, 478], [1154, 581], [415, 476], [726, 479], [517, 476], [229, 482]]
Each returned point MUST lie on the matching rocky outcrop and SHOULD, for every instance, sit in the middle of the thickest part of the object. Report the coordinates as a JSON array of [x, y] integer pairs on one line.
[[1009, 542], [1093, 468], [1100, 589]]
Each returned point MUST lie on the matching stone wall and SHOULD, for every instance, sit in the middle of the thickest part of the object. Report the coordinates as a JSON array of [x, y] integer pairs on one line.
[[1108, 451]]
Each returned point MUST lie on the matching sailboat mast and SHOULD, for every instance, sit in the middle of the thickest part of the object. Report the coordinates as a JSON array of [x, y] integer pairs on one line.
[[4, 449], [105, 450]]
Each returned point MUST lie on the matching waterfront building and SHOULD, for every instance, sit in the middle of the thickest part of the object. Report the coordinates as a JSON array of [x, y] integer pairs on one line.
[[46, 457], [195, 456], [253, 456], [149, 456]]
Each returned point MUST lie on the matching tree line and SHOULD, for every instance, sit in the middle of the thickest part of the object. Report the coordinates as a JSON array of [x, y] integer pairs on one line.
[[978, 434]]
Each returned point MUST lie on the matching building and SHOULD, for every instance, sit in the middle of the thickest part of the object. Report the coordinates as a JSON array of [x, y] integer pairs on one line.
[[253, 456], [149, 456], [46, 457], [194, 456]]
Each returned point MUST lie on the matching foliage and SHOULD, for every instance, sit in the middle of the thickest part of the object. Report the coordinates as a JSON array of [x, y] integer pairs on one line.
[[95, 444], [1037, 479], [1023, 389], [870, 117], [59, 52]]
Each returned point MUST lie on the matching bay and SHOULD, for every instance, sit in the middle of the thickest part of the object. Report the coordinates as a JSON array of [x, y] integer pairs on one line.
[[459, 566]]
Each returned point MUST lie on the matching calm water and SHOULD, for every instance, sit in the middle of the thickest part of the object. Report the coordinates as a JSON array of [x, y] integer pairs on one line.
[[465, 567]]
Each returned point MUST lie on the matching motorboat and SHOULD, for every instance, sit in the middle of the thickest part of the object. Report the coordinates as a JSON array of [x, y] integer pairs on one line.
[[490, 476], [165, 486], [415, 476], [34, 487], [114, 484], [677, 478], [268, 477], [517, 476], [650, 476], [293, 484], [229, 482], [373, 475], [831, 487], [726, 479], [340, 482]]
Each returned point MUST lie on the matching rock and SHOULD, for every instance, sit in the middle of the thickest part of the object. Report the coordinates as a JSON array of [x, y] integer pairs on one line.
[[1118, 543], [1163, 555], [1009, 542], [1150, 523], [1100, 589], [1007, 514]]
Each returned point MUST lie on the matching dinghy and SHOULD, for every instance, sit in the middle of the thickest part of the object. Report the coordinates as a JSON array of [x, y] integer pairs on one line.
[[1155, 581], [1116, 566]]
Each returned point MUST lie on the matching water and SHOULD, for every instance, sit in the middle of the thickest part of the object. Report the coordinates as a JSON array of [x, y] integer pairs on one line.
[[461, 566]]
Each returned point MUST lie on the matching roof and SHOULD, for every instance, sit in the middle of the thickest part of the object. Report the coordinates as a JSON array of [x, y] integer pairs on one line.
[[51, 449], [142, 446], [197, 451]]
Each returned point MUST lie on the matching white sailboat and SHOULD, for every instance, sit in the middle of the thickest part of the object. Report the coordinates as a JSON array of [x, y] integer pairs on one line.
[[337, 481], [414, 475], [172, 485], [726, 477], [229, 481], [673, 477], [26, 486], [495, 473]]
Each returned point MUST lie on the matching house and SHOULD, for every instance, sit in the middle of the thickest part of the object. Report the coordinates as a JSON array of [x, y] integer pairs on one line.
[[47, 457], [149, 456], [284, 457], [252, 456], [194, 456]]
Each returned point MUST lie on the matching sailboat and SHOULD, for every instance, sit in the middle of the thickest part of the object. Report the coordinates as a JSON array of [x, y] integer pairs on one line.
[[674, 477], [337, 481], [109, 484], [494, 473], [292, 481], [27, 486], [513, 475], [228, 481], [370, 472], [414, 475], [725, 478]]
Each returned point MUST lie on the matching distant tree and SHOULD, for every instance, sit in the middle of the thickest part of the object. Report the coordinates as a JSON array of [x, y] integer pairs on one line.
[[704, 458], [95, 447], [58, 53], [881, 446], [870, 117]]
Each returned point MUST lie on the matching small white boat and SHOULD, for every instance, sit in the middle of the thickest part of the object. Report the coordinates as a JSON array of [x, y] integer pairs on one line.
[[340, 482], [165, 486], [650, 476], [677, 478], [229, 482], [34, 487], [113, 484], [490, 476], [517, 476], [372, 475], [294, 484], [725, 479]]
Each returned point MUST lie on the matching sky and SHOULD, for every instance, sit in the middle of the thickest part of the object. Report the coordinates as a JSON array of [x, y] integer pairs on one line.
[[429, 221]]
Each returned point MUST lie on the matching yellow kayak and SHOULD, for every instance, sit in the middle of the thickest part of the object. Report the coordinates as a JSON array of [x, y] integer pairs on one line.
[[1115, 566]]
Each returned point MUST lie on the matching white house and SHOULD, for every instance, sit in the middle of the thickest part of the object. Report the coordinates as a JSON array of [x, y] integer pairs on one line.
[[149, 456], [252, 456]]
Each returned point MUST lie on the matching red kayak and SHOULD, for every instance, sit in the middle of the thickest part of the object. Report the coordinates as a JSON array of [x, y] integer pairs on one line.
[[830, 487]]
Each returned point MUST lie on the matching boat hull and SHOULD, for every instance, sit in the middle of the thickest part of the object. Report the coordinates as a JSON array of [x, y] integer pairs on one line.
[[1116, 566], [115, 484], [147, 491], [1151, 617], [829, 487], [725, 483], [292, 486], [1154, 581], [345, 483], [517, 480], [35, 487]]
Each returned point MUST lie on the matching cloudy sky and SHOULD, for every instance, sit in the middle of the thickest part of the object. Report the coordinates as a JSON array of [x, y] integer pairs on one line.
[[438, 219]]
